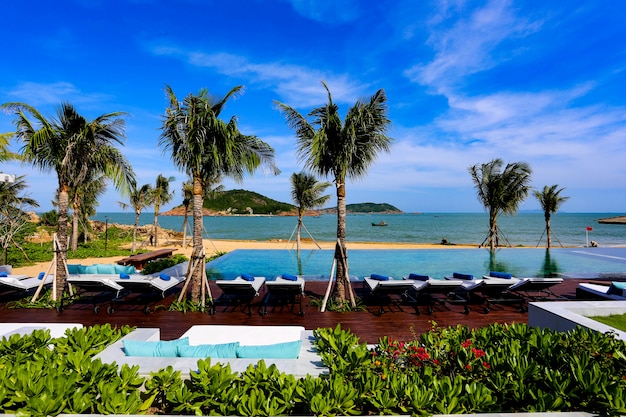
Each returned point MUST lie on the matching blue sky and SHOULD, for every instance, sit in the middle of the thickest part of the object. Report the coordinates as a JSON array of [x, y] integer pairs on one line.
[[540, 82]]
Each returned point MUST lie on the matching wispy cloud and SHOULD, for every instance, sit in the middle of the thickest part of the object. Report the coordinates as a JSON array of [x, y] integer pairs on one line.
[[327, 11], [38, 94], [296, 85]]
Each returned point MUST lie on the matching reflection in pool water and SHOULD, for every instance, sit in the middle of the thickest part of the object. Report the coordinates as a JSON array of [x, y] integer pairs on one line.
[[521, 262]]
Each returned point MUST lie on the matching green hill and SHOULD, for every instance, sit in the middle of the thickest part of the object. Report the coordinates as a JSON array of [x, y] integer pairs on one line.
[[246, 202], [367, 208]]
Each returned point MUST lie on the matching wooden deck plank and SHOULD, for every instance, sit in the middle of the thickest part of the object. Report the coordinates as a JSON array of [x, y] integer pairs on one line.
[[398, 322]]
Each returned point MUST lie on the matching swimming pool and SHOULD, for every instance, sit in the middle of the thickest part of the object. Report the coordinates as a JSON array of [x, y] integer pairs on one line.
[[521, 262]]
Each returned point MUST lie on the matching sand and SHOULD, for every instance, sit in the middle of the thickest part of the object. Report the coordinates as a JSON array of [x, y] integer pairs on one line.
[[213, 246]]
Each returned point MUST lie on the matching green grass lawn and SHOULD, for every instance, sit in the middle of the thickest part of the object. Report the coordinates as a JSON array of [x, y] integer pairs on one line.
[[615, 320]]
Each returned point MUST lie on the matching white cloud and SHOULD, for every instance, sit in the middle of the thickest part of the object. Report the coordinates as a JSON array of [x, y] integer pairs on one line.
[[327, 11], [38, 94]]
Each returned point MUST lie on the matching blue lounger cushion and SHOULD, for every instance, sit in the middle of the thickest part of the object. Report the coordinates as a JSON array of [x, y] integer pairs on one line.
[[379, 277], [290, 277], [3, 274], [124, 275], [458, 275], [419, 277], [164, 277], [74, 268], [220, 351], [497, 274], [161, 348], [105, 268], [126, 269], [41, 275], [247, 277], [286, 350]]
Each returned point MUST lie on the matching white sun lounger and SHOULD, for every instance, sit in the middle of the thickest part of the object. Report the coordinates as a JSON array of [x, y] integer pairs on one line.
[[240, 290], [286, 290], [383, 288], [24, 284]]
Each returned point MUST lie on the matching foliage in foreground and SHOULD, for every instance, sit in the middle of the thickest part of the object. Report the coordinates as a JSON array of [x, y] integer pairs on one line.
[[499, 368]]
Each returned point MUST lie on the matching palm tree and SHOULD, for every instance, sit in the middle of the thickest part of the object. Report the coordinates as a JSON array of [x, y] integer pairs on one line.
[[84, 198], [500, 191], [206, 147], [329, 147], [550, 200], [187, 200], [139, 199], [160, 195], [74, 148], [13, 217], [5, 154], [306, 192]]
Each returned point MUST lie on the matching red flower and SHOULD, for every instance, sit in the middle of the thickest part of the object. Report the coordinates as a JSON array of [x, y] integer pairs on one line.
[[466, 344], [486, 365], [468, 366], [478, 353]]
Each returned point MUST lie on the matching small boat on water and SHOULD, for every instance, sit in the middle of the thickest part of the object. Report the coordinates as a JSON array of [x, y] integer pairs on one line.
[[381, 223]]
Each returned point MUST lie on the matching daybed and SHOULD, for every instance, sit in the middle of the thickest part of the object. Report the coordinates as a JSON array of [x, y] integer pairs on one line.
[[615, 291], [265, 340]]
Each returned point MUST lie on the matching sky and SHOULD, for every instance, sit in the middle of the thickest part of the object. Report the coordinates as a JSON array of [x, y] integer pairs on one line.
[[466, 81]]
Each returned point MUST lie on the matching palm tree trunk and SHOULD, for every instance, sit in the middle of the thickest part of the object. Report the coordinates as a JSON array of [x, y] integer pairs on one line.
[[185, 221], [75, 216], [61, 256], [548, 237], [155, 226], [135, 227], [196, 274], [493, 230], [340, 249], [299, 230]]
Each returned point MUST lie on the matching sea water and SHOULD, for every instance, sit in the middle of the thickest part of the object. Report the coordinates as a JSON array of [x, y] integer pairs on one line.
[[523, 229]]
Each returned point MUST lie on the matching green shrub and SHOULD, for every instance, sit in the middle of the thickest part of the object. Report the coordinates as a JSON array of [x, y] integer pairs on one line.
[[161, 264]]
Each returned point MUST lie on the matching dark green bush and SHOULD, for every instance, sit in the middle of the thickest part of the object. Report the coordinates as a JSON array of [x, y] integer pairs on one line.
[[161, 264]]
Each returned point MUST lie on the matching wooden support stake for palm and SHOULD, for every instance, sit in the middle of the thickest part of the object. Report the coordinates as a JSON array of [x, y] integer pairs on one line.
[[330, 286]]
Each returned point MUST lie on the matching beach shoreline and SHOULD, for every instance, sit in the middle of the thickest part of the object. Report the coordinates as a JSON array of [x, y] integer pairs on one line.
[[217, 246]]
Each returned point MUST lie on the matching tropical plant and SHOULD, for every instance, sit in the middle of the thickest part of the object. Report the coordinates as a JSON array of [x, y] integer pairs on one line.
[[160, 195], [550, 199], [74, 148], [84, 198], [330, 147], [139, 199], [306, 192], [500, 191], [5, 153], [187, 191], [204, 147]]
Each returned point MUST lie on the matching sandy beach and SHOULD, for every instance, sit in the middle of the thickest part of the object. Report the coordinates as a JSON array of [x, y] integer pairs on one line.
[[213, 246]]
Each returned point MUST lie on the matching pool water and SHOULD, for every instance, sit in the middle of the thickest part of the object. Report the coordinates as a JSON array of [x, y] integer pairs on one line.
[[604, 263]]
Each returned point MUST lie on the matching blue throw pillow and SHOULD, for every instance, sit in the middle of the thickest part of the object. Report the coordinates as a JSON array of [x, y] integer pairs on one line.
[[124, 275], [458, 275], [497, 274], [379, 277], [287, 350], [73, 268], [224, 350], [290, 277], [154, 349], [41, 275], [419, 277], [105, 268], [91, 269], [127, 269], [247, 277], [4, 274], [164, 277]]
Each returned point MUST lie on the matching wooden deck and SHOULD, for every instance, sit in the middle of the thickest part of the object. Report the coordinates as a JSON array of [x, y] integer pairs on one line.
[[399, 321]]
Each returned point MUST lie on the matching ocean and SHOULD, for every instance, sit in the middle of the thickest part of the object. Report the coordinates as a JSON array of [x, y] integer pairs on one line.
[[523, 229]]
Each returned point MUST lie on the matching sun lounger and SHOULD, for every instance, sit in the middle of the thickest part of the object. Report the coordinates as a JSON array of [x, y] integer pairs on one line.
[[534, 289], [25, 284], [145, 286], [284, 289], [489, 291], [101, 286], [242, 289], [382, 286], [615, 291]]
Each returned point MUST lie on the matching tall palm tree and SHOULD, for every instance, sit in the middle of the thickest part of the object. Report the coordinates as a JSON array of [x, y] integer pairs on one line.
[[187, 200], [72, 147], [204, 147], [84, 199], [307, 193], [139, 199], [330, 147], [160, 195], [500, 191], [550, 199], [5, 153]]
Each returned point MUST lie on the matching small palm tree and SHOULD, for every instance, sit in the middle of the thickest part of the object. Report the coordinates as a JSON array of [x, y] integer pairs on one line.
[[206, 147], [307, 192], [84, 199], [139, 199], [74, 148], [341, 149], [13, 216], [500, 191], [160, 195], [550, 199]]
